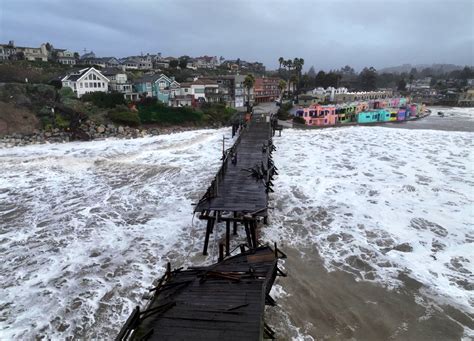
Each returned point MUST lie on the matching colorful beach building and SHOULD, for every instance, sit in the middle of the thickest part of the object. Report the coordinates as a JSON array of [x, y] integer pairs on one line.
[[318, 115]]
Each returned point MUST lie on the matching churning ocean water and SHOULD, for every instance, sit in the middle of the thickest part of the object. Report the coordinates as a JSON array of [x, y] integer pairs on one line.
[[86, 227]]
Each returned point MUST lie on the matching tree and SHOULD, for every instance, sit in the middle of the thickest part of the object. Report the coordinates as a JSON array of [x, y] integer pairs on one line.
[[368, 79], [76, 55], [174, 63], [298, 65], [347, 70], [311, 73], [249, 81], [289, 64], [20, 56], [402, 85], [282, 87], [320, 79], [280, 60], [293, 81], [183, 62]]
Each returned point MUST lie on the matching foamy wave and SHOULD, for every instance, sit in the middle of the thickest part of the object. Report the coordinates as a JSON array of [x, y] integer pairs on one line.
[[86, 227], [381, 203]]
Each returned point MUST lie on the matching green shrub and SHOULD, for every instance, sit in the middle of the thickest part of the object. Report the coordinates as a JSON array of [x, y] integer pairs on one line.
[[104, 100], [217, 112], [130, 118], [61, 122], [161, 114], [299, 120], [66, 92], [282, 113]]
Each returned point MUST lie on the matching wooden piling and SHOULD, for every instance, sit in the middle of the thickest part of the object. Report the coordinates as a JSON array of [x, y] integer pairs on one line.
[[227, 238]]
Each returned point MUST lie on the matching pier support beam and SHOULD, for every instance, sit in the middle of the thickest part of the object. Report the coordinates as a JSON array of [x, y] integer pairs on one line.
[[227, 238], [235, 224], [206, 239], [253, 232], [247, 232]]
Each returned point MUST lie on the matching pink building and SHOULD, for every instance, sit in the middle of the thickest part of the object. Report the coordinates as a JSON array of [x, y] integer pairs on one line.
[[318, 115]]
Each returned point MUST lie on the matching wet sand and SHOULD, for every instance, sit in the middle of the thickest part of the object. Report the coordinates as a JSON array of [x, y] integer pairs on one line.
[[334, 306]]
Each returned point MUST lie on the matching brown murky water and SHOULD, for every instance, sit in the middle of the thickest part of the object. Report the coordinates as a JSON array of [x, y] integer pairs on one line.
[[334, 306]]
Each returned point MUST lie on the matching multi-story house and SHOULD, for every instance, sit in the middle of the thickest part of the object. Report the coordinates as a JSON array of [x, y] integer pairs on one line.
[[12, 52], [266, 89], [104, 62], [85, 81], [211, 91], [202, 90], [159, 62], [64, 56], [157, 85], [119, 83], [139, 62], [206, 62], [232, 90]]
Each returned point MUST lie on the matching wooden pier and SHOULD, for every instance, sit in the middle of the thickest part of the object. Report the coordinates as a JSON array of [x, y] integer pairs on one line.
[[224, 301], [238, 195]]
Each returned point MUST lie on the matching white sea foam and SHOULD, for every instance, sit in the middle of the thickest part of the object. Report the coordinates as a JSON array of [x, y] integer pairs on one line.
[[378, 202], [86, 227]]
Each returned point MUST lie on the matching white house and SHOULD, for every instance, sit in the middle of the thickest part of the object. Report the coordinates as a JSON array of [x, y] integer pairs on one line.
[[85, 81]]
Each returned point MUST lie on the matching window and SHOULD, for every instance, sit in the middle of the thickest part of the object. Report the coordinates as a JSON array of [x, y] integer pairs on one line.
[[90, 77], [103, 84], [86, 84], [95, 85], [80, 85]]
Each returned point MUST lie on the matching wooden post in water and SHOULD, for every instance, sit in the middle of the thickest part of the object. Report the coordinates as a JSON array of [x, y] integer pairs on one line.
[[221, 252], [235, 224], [247, 232], [253, 228], [227, 238]]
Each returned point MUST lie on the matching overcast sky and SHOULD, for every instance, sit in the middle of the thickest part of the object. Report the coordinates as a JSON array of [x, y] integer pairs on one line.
[[327, 34]]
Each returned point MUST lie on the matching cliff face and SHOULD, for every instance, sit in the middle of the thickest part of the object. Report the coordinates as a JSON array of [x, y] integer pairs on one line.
[[14, 119], [22, 106]]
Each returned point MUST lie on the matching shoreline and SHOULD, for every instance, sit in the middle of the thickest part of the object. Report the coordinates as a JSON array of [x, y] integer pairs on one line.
[[98, 133]]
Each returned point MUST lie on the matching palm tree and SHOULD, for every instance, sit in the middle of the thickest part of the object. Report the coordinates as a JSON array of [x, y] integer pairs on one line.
[[293, 80], [280, 60], [289, 65], [298, 64], [249, 81], [282, 87]]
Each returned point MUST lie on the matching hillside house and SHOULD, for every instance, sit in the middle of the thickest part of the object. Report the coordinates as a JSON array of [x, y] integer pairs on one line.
[[85, 81]]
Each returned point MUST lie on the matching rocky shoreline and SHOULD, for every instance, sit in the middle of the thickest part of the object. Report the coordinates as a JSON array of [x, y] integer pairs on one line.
[[89, 131]]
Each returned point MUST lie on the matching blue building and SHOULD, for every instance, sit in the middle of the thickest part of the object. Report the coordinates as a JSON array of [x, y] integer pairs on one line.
[[159, 86]]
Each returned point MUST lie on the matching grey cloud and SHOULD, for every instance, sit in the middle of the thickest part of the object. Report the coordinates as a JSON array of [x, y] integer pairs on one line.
[[327, 34]]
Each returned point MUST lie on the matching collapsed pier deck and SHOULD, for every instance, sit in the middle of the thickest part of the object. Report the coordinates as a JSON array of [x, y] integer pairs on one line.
[[224, 301]]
